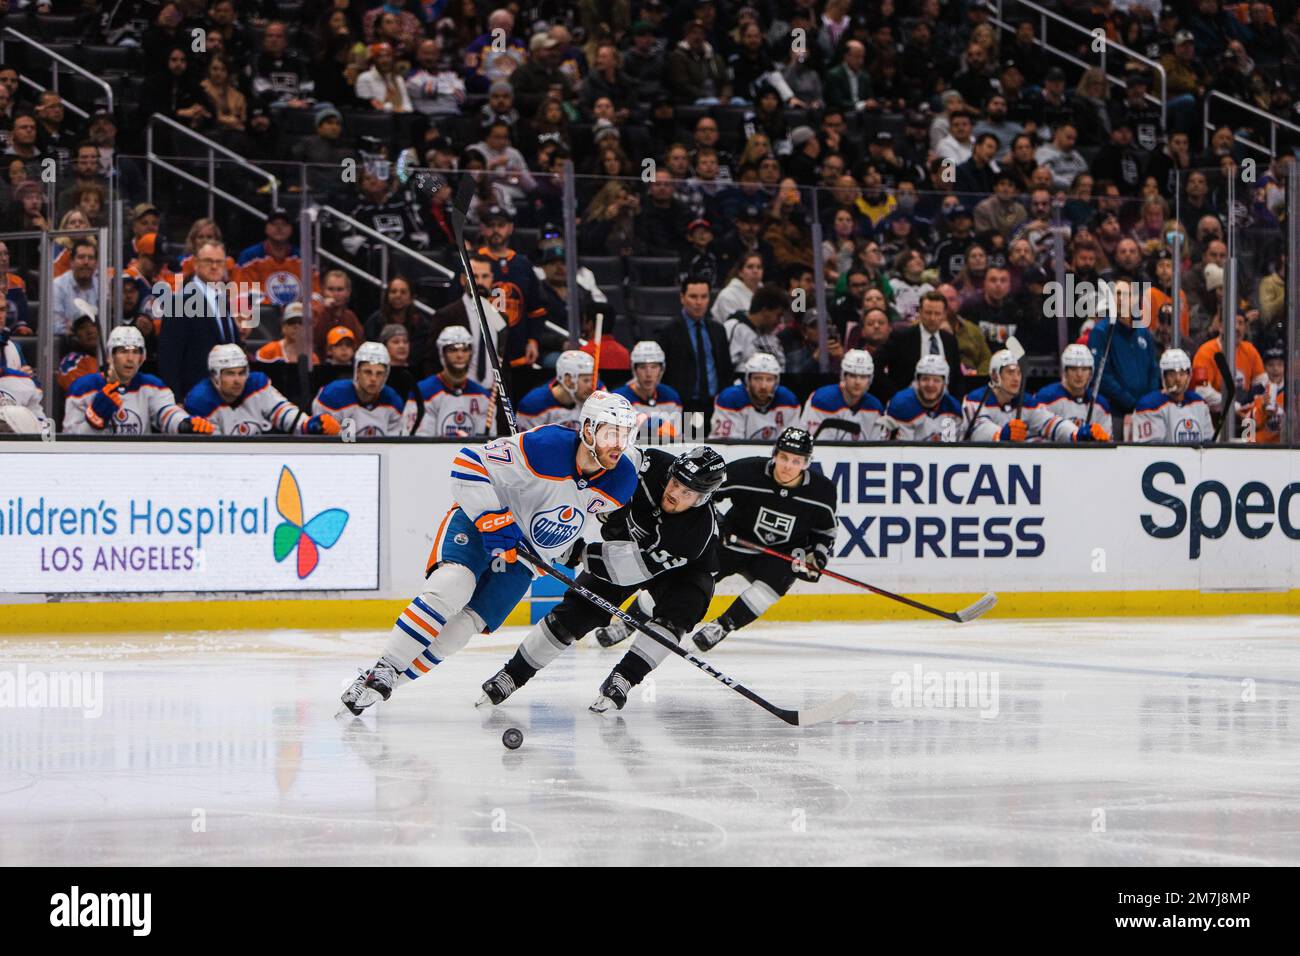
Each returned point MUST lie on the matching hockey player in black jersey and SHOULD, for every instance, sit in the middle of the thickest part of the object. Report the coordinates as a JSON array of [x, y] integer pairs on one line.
[[665, 542], [777, 502]]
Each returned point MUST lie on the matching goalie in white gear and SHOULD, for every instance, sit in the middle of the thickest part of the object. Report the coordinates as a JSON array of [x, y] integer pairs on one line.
[[847, 401], [560, 401], [925, 411], [658, 407], [1066, 401], [1176, 413], [365, 399], [123, 400], [236, 401], [454, 404], [474, 576], [759, 408]]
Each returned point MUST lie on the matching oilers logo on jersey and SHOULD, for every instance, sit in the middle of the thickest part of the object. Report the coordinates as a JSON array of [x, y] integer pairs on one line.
[[773, 527], [556, 527], [1187, 430], [457, 423], [126, 421], [283, 288]]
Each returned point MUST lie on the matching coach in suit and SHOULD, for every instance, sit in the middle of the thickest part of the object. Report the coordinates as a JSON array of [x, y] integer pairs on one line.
[[689, 336], [186, 338], [896, 359]]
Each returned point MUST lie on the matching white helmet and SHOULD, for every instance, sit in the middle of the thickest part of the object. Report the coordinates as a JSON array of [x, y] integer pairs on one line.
[[225, 356], [761, 363], [575, 363], [1174, 360], [933, 365], [125, 337], [1001, 359], [857, 362], [647, 353], [371, 352], [454, 335], [1076, 356], [605, 408]]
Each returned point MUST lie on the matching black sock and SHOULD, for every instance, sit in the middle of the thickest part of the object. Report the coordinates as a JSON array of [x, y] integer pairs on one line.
[[633, 667], [737, 616], [520, 670]]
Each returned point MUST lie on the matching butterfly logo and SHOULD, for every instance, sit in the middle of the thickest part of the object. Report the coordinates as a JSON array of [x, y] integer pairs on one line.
[[321, 531]]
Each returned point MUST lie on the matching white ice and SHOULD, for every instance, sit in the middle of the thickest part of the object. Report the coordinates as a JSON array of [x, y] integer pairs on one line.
[[1107, 742]]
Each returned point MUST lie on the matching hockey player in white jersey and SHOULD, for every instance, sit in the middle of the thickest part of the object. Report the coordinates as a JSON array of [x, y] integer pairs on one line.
[[124, 400], [455, 406], [560, 401], [1066, 401], [847, 401], [19, 388], [925, 411], [657, 407], [1176, 413], [239, 402], [759, 408], [366, 399], [535, 488]]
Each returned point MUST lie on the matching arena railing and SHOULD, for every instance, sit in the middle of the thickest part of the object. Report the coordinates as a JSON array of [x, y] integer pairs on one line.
[[213, 148], [58, 60], [1274, 122]]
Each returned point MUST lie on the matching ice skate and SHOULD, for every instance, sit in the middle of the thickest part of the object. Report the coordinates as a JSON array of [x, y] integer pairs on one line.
[[709, 635], [369, 688], [496, 689], [613, 693]]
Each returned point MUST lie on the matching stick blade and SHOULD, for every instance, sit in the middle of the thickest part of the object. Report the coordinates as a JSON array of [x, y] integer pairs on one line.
[[464, 195], [978, 609], [830, 710]]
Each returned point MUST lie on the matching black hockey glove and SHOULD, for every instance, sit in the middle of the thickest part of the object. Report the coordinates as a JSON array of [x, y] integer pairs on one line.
[[810, 568]]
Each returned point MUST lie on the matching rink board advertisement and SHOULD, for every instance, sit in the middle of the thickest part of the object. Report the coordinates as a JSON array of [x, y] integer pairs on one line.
[[143, 521]]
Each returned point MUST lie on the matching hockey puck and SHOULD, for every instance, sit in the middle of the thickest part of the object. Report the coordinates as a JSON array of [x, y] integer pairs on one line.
[[512, 738]]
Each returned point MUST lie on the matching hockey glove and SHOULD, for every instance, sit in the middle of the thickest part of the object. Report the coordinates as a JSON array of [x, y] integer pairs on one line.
[[500, 534], [104, 405], [1014, 430], [1092, 432], [809, 567], [324, 424], [196, 426]]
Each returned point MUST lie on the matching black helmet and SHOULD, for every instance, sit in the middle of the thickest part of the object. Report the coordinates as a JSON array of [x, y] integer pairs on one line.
[[700, 469], [796, 441]]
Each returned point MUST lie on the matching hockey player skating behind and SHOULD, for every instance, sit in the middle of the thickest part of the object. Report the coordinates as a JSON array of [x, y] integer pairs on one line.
[[759, 407], [1066, 401], [534, 488], [662, 544], [455, 406], [560, 400], [925, 411], [780, 503], [124, 400], [366, 399], [1177, 413], [849, 400], [238, 402], [657, 407]]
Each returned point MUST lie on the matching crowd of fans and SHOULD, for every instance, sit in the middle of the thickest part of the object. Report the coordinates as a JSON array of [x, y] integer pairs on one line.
[[956, 173]]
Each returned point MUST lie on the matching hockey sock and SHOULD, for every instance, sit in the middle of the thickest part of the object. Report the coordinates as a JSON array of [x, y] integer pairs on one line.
[[544, 643], [422, 636], [750, 606], [645, 654]]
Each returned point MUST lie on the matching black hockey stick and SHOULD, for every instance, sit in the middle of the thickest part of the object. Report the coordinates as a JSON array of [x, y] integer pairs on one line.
[[796, 718], [1101, 370], [966, 614], [459, 209], [838, 424], [1229, 390]]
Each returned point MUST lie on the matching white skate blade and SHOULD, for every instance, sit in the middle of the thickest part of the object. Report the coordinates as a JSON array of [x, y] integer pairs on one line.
[[602, 705], [483, 699]]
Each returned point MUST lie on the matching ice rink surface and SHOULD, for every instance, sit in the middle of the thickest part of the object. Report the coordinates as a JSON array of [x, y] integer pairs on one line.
[[1084, 742]]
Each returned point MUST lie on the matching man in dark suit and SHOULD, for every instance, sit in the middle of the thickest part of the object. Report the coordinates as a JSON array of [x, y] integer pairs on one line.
[[896, 359], [691, 334], [200, 317], [848, 86]]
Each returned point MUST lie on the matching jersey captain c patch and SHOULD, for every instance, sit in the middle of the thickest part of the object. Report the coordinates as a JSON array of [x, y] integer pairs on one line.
[[773, 527]]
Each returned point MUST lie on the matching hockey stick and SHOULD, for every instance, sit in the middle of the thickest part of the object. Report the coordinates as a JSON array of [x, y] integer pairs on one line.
[[1101, 370], [796, 718], [838, 424], [966, 614], [1229, 390], [824, 712]]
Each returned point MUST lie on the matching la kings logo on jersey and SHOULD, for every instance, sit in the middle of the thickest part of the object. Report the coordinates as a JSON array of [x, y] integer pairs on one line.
[[773, 527]]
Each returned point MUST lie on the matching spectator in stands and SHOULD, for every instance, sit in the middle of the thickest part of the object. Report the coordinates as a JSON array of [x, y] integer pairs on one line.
[[516, 284], [289, 346], [79, 352], [381, 86], [848, 86], [755, 330], [505, 162], [696, 72], [15, 292], [698, 362], [1248, 369], [174, 92], [86, 172], [1060, 156], [608, 78], [387, 211], [281, 75], [186, 339], [542, 75], [664, 217], [488, 59], [957, 145], [743, 281], [22, 143], [228, 105], [434, 89], [326, 153], [340, 349], [102, 131], [401, 377], [274, 263], [81, 281], [56, 132], [609, 227]]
